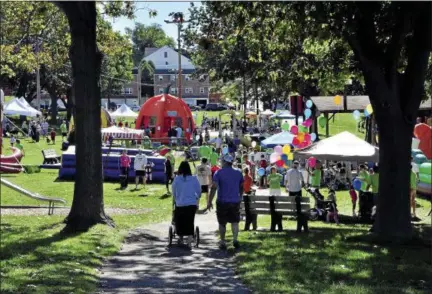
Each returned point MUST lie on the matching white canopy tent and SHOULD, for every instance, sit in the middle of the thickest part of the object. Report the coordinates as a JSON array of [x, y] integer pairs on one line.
[[122, 133], [27, 105], [124, 111], [341, 147], [16, 107]]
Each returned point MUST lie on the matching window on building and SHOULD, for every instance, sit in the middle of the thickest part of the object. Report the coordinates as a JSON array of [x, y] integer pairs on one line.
[[172, 77], [160, 78], [161, 90], [202, 90], [166, 54], [166, 62], [173, 90], [188, 90], [127, 90], [187, 77]]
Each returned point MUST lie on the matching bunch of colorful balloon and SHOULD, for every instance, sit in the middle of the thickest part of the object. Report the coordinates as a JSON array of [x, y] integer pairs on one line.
[[302, 138], [281, 156]]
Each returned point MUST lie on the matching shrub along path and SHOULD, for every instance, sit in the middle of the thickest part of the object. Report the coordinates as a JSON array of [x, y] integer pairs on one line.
[[146, 265]]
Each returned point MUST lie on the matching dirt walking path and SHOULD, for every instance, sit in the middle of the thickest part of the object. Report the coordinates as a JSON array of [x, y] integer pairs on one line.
[[146, 265]]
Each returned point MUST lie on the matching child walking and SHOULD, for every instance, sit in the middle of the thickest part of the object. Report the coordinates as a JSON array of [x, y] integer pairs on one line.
[[263, 164], [333, 212], [353, 195], [53, 136]]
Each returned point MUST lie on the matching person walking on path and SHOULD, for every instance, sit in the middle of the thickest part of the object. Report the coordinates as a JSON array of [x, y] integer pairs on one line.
[[204, 175], [294, 180], [228, 182], [168, 173], [139, 166], [186, 192], [124, 164]]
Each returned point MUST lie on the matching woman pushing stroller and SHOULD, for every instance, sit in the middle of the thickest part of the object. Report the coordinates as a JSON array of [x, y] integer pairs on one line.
[[186, 194]]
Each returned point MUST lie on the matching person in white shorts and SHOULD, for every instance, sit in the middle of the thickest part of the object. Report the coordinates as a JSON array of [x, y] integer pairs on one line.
[[204, 175], [139, 165]]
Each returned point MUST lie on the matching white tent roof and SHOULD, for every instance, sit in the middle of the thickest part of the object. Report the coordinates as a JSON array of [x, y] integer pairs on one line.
[[124, 111], [124, 133], [16, 107], [267, 112], [344, 147], [27, 105]]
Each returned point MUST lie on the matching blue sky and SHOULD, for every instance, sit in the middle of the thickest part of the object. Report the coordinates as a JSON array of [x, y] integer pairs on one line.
[[163, 8]]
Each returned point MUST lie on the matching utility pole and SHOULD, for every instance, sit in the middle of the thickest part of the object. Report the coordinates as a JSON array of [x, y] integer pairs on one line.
[[38, 88], [177, 18]]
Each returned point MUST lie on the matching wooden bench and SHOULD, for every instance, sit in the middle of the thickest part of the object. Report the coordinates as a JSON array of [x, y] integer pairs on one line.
[[276, 207], [50, 156]]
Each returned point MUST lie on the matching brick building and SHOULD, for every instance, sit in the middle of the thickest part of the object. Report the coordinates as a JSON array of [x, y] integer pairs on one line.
[[195, 91]]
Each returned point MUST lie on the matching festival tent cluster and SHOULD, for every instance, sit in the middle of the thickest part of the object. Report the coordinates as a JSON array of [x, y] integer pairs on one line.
[[124, 111], [20, 107]]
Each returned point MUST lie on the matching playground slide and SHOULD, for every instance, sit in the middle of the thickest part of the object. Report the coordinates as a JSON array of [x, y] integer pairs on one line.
[[30, 194]]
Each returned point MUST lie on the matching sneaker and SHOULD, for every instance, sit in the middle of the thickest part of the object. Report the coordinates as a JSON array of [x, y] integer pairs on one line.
[[236, 244], [222, 245]]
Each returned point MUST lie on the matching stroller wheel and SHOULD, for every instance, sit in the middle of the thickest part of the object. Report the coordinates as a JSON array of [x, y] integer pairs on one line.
[[197, 237], [313, 214], [170, 235]]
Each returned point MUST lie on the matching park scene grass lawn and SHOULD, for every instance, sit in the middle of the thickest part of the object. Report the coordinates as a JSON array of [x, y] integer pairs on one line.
[[36, 258]]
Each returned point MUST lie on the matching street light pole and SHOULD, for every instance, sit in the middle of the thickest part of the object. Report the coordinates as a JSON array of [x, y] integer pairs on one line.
[[178, 19]]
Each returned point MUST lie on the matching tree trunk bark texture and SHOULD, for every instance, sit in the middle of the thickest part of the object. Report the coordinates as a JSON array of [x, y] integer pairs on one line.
[[87, 206]]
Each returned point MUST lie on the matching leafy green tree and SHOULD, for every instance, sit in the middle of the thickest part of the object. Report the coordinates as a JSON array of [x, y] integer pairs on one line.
[[305, 45], [147, 36]]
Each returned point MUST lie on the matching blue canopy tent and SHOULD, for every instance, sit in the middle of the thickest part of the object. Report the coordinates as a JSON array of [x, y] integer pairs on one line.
[[283, 115], [281, 138]]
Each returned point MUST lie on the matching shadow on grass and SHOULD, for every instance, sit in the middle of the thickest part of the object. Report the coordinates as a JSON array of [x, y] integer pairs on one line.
[[165, 196], [42, 260], [331, 260]]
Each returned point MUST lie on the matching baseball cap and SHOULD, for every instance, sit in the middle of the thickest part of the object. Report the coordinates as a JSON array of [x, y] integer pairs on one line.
[[227, 158], [295, 162]]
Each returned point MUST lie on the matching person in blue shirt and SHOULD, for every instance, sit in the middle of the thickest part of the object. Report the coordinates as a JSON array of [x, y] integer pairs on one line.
[[228, 182], [186, 192]]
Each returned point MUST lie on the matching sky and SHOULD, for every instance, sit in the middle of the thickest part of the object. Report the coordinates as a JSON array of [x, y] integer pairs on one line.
[[163, 8]]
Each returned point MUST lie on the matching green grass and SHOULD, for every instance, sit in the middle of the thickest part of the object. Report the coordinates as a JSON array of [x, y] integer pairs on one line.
[[341, 122], [332, 259], [35, 258]]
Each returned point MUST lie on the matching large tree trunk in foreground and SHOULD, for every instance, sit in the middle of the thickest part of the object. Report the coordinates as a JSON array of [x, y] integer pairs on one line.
[[87, 207], [395, 98]]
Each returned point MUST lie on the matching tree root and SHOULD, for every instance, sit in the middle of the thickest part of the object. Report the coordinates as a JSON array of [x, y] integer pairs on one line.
[[79, 223]]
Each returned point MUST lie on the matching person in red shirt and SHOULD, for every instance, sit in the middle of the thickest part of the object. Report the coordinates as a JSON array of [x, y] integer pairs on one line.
[[53, 136], [214, 169], [247, 181], [124, 169], [263, 164]]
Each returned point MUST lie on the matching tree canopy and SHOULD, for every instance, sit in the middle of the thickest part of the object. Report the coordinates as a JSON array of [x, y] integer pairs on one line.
[[37, 33]]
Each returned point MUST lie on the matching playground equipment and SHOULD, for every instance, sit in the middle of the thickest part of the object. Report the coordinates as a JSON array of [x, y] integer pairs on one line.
[[162, 112], [425, 178], [111, 164], [11, 163], [423, 133], [106, 120], [51, 201]]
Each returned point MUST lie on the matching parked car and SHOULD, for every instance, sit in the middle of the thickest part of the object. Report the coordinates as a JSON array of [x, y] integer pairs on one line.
[[215, 107], [135, 108]]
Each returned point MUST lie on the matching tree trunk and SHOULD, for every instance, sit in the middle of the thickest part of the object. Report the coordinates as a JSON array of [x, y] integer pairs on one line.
[[87, 206], [23, 85], [70, 103], [393, 218], [54, 108]]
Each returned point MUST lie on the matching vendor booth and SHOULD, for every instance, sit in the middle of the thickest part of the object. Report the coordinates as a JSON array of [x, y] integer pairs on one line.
[[341, 147]]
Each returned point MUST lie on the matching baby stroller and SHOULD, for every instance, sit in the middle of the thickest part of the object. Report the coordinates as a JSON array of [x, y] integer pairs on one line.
[[172, 232], [320, 210]]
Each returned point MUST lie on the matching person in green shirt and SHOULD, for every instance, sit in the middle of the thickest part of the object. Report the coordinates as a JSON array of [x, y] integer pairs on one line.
[[274, 180], [63, 130], [20, 146], [364, 178], [413, 191], [374, 182]]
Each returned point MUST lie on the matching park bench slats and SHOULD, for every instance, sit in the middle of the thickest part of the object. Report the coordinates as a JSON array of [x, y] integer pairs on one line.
[[276, 206], [259, 198], [279, 206], [50, 156]]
